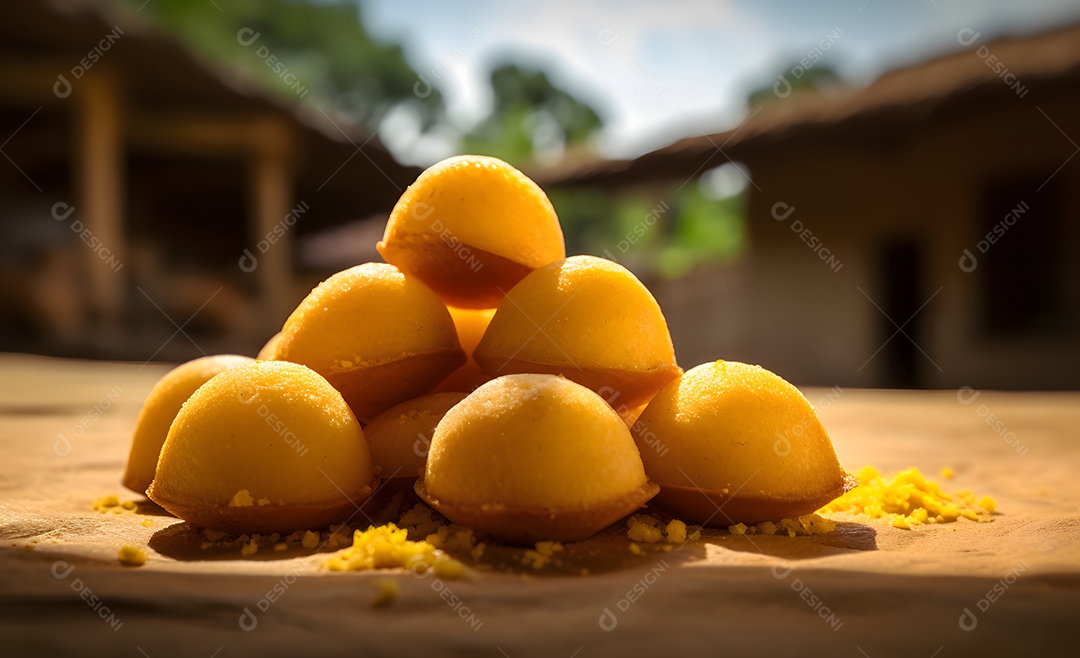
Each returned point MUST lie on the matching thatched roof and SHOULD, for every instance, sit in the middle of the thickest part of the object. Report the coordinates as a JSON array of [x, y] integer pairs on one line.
[[898, 100], [161, 74]]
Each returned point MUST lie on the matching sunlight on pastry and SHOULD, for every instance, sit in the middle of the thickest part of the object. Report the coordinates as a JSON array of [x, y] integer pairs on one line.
[[160, 409], [471, 325], [471, 227], [399, 437], [265, 447], [734, 443], [532, 457], [376, 335], [590, 320]]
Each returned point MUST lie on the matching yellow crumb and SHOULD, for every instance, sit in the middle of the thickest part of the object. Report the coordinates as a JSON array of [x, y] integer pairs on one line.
[[675, 531], [803, 526], [281, 546], [462, 539], [388, 591], [388, 547], [948, 473], [419, 521], [310, 540], [105, 502], [648, 529], [146, 523], [113, 505], [549, 548], [131, 556], [250, 548], [644, 528], [635, 548], [242, 498], [542, 555], [263, 502], [909, 499]]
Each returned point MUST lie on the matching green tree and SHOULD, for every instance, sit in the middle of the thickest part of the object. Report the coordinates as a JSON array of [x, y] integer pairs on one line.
[[325, 45], [706, 230], [793, 80], [531, 116]]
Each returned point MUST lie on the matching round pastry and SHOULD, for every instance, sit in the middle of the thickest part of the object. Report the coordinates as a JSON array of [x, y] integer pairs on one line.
[[399, 437], [376, 335], [160, 409], [588, 319], [734, 443], [533, 457], [471, 227], [264, 447]]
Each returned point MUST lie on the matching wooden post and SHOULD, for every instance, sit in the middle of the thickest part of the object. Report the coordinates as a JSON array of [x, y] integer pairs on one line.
[[271, 235], [100, 188]]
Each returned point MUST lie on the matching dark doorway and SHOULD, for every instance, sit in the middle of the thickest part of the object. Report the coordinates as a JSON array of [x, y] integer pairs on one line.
[[1021, 251], [902, 286]]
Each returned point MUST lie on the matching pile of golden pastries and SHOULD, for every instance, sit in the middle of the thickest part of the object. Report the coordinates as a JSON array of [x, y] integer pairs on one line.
[[516, 391]]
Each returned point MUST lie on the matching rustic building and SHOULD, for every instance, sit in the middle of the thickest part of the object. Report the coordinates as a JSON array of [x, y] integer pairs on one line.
[[922, 231], [143, 191]]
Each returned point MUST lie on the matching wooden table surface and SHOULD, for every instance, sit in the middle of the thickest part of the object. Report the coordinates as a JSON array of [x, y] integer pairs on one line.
[[867, 590]]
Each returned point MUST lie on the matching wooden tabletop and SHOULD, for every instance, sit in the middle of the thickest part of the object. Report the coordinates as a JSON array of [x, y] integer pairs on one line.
[[1009, 587]]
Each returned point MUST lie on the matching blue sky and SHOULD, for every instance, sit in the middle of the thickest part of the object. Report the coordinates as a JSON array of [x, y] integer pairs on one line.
[[658, 71]]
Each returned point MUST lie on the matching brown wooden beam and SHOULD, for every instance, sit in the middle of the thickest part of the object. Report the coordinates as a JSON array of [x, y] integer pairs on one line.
[[99, 180]]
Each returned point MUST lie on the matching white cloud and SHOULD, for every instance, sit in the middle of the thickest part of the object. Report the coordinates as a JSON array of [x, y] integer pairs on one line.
[[660, 71]]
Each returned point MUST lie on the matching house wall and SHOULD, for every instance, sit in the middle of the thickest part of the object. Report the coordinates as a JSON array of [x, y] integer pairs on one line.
[[858, 188]]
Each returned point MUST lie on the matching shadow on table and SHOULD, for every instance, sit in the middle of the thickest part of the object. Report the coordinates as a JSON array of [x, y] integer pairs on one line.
[[189, 543], [846, 538], [147, 507]]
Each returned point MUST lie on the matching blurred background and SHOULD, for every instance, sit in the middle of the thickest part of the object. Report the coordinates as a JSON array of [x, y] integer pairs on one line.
[[858, 193]]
